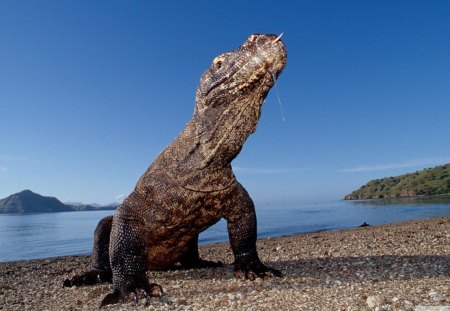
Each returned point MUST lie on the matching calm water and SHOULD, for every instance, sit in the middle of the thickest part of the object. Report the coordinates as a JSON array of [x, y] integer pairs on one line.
[[58, 234]]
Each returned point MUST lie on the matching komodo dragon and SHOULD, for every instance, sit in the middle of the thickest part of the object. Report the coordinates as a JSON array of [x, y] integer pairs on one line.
[[191, 186]]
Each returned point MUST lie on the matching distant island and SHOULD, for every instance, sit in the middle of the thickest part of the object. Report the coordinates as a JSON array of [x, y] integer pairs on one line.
[[428, 182], [27, 201]]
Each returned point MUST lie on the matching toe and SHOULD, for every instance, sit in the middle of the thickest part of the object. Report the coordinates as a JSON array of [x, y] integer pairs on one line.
[[111, 298], [155, 290]]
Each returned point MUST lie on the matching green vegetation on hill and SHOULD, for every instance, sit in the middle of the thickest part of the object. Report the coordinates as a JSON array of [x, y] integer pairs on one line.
[[430, 181]]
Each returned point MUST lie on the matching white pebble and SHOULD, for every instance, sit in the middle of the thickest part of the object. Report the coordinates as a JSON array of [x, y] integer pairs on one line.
[[374, 301]]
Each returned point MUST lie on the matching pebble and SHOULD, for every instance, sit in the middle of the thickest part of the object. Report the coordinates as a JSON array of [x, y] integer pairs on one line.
[[407, 304], [374, 301], [437, 297]]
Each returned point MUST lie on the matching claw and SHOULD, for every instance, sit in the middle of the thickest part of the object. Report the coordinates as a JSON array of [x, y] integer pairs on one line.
[[274, 272], [153, 290], [255, 270], [111, 298], [251, 276]]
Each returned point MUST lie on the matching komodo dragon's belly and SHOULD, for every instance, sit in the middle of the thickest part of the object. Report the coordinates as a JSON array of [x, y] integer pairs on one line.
[[169, 236], [167, 249]]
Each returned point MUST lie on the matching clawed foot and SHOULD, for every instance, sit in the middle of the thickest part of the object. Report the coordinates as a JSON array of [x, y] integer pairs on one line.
[[253, 270], [89, 278], [117, 296]]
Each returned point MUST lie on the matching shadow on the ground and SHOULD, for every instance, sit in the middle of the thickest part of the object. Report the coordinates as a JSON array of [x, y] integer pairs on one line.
[[341, 269], [369, 268]]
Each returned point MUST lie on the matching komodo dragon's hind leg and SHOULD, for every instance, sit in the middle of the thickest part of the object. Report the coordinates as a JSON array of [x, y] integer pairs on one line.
[[101, 269], [192, 260]]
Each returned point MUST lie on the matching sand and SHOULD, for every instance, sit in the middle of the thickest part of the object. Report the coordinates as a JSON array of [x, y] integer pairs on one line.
[[403, 266]]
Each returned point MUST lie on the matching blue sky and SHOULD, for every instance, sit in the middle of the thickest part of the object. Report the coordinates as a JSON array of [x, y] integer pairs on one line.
[[92, 91]]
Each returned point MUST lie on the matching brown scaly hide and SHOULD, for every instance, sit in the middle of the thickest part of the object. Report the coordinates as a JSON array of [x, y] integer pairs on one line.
[[190, 186]]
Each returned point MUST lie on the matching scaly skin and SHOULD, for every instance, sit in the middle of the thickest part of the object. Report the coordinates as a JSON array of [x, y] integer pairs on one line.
[[190, 186]]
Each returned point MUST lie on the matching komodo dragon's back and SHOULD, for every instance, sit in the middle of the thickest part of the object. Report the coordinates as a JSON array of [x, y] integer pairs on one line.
[[190, 186]]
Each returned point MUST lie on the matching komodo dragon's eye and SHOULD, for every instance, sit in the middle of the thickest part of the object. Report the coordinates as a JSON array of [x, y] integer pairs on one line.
[[218, 62]]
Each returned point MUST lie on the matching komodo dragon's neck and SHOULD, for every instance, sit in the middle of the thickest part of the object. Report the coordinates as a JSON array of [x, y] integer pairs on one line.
[[194, 164]]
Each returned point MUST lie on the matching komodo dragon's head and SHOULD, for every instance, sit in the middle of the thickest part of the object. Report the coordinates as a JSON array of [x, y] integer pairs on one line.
[[231, 93]]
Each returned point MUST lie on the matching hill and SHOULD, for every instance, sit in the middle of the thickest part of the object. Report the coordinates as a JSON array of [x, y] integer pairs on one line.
[[27, 201], [430, 181]]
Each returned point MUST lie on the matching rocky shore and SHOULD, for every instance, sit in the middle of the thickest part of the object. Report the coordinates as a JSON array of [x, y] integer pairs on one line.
[[403, 266]]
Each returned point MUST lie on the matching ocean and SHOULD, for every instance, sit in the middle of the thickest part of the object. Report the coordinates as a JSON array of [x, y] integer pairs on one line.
[[33, 236]]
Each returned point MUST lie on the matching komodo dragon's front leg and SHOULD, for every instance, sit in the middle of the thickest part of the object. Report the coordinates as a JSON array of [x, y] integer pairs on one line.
[[128, 252], [241, 218]]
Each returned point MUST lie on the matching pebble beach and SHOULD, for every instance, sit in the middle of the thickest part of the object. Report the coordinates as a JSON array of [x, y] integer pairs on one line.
[[403, 266]]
